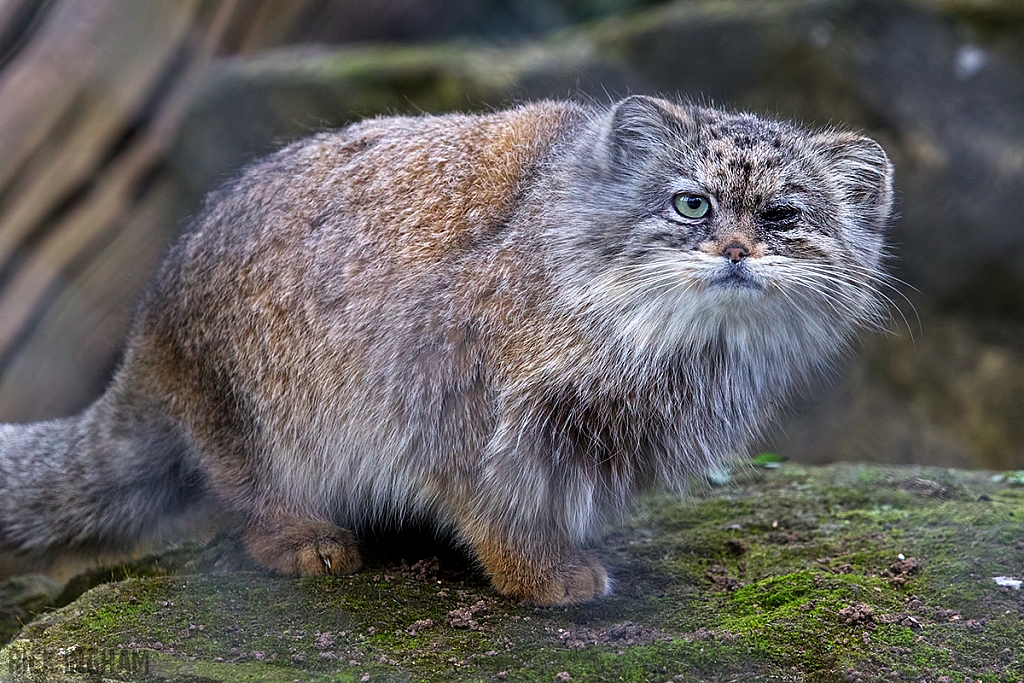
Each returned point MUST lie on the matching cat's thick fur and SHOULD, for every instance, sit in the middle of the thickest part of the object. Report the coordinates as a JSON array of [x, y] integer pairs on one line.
[[502, 323]]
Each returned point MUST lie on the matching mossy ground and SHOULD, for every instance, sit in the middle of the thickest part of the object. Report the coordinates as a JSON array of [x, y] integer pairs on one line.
[[784, 574]]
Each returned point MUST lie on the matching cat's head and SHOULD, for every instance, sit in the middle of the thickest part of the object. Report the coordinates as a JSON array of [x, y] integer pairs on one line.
[[692, 223]]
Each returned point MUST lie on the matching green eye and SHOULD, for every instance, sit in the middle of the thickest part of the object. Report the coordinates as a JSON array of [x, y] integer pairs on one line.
[[691, 205]]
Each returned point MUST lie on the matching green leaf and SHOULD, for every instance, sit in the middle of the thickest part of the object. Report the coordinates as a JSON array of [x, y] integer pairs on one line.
[[770, 460]]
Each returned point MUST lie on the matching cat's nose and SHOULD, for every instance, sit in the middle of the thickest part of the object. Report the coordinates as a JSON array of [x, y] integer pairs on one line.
[[735, 252]]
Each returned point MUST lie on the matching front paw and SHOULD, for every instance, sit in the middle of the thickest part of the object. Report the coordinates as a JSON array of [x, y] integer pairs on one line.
[[304, 548], [573, 578]]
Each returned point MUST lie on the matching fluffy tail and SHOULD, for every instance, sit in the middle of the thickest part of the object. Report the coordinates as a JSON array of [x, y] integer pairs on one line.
[[99, 482]]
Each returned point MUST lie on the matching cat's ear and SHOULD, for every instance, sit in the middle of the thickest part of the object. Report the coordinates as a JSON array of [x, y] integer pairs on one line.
[[863, 172], [632, 129]]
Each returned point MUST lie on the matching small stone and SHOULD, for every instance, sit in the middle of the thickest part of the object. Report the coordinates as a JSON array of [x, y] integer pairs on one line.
[[419, 625], [857, 615], [910, 622], [462, 618], [899, 571], [914, 603], [719, 577], [735, 545], [562, 677], [324, 641]]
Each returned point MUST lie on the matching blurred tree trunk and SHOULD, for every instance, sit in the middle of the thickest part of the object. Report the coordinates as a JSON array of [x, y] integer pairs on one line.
[[91, 93]]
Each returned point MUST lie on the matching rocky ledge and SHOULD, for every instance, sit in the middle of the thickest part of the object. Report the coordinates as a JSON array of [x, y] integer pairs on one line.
[[841, 573]]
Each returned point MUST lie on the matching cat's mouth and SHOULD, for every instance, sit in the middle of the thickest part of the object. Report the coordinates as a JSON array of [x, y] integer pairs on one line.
[[737, 276]]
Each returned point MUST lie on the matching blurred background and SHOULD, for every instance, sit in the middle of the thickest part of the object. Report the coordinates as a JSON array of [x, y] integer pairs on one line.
[[117, 117]]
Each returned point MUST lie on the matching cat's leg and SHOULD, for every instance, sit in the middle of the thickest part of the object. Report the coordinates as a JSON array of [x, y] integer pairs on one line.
[[299, 539], [527, 523], [212, 410]]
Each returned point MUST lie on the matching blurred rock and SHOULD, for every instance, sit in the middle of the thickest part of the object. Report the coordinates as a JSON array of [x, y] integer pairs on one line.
[[950, 395], [421, 21], [21, 598]]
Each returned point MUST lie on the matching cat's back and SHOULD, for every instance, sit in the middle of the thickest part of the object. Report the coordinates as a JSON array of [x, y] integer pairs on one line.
[[418, 188], [336, 237], [429, 187], [393, 194]]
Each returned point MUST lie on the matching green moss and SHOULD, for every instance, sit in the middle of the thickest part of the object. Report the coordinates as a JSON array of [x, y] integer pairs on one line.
[[746, 580]]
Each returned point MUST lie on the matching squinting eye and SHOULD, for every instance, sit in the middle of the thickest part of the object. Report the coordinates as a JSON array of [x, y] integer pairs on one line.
[[782, 217], [691, 205]]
